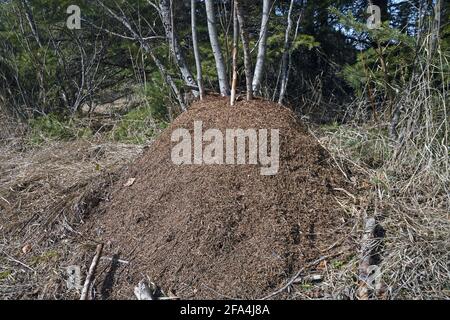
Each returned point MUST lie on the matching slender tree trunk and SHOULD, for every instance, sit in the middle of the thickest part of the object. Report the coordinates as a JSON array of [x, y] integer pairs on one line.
[[436, 27], [166, 16], [198, 62], [285, 58], [35, 32], [235, 55], [215, 45], [262, 47], [167, 77], [383, 4], [246, 46], [31, 22], [147, 48]]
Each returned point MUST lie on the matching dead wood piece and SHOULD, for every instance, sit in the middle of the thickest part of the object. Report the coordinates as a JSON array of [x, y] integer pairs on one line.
[[143, 292], [369, 272], [147, 290], [90, 275]]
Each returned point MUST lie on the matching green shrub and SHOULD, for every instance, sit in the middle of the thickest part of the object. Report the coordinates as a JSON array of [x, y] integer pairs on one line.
[[138, 126], [156, 97], [142, 124], [54, 127]]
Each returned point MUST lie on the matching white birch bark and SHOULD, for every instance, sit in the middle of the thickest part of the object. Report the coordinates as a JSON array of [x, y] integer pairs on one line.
[[246, 46], [285, 58], [147, 48], [166, 17], [215, 45], [198, 62], [235, 56], [262, 47]]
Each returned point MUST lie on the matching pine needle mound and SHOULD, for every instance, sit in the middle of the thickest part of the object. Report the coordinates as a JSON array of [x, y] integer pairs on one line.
[[224, 231]]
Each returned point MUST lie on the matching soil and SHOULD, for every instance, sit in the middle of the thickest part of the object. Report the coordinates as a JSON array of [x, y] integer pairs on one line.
[[222, 231]]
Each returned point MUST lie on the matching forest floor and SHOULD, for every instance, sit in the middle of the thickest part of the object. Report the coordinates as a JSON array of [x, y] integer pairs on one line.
[[44, 192], [48, 193]]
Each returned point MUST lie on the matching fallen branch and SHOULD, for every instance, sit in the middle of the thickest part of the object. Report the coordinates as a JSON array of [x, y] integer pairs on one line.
[[313, 278], [369, 273], [8, 257], [115, 260], [87, 282]]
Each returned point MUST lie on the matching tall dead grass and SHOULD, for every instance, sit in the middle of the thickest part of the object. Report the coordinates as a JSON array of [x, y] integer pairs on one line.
[[409, 178]]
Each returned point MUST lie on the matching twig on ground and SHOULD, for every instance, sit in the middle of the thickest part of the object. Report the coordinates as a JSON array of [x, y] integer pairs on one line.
[[87, 283], [115, 260], [17, 261]]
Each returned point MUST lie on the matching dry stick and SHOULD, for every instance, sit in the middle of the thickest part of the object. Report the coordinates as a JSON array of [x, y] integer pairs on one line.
[[87, 282], [115, 260], [369, 248], [10, 258]]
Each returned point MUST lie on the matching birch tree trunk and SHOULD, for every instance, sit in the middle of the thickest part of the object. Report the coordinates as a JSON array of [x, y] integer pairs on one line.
[[246, 47], [167, 77], [285, 58], [262, 47], [215, 45], [147, 48], [166, 17], [198, 62], [235, 55]]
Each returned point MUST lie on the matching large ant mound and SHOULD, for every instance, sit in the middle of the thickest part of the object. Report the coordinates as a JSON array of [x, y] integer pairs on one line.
[[223, 230]]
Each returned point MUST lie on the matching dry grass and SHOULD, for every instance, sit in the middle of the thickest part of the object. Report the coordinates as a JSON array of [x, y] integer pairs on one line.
[[412, 205], [44, 195], [11, 131], [410, 187]]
